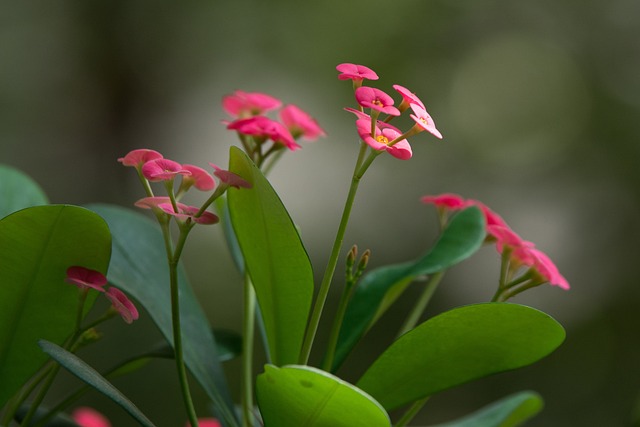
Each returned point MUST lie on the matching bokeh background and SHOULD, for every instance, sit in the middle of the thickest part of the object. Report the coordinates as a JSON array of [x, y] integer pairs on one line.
[[539, 102]]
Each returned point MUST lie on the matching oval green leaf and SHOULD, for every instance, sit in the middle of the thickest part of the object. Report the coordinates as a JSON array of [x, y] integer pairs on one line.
[[275, 259], [379, 288], [139, 267], [37, 245], [18, 191], [302, 396], [510, 411], [459, 346]]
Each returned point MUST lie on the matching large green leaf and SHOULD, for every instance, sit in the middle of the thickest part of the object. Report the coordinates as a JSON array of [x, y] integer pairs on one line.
[[275, 258], [459, 346], [18, 191], [302, 396], [380, 287], [37, 245], [86, 373], [510, 411], [139, 267]]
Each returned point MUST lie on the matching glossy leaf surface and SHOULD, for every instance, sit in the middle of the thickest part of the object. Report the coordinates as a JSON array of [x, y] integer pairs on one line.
[[18, 191], [459, 346]]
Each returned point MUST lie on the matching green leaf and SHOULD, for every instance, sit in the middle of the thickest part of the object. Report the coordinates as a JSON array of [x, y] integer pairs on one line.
[[302, 396], [37, 245], [275, 258], [510, 411], [379, 288], [139, 267], [18, 191], [86, 373], [459, 346]]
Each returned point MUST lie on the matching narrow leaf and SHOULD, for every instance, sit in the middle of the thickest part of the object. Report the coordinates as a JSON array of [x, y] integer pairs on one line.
[[379, 288], [459, 346], [302, 396], [18, 191], [86, 373], [37, 245], [275, 259]]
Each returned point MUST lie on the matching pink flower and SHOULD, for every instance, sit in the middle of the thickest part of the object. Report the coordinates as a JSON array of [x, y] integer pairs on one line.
[[356, 72], [122, 304], [264, 127], [376, 99], [490, 216], [89, 417], [408, 98], [162, 170], [383, 137], [206, 422], [139, 157], [243, 104], [85, 278], [152, 202], [230, 178], [300, 123], [446, 200], [359, 114], [547, 270], [186, 212], [424, 120], [199, 178], [507, 238]]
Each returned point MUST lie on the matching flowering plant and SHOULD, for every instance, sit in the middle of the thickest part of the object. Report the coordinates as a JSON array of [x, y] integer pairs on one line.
[[73, 255]]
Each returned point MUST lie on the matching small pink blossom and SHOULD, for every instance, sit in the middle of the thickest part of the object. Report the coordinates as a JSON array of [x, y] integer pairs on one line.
[[162, 170], [139, 157], [355, 72], [264, 127], [547, 270], [520, 249], [491, 217], [152, 202], [122, 304], [408, 98], [244, 104], [230, 178], [446, 200], [359, 114], [383, 137], [89, 417], [186, 212], [199, 178], [376, 99], [206, 422], [424, 120], [85, 278], [300, 123]]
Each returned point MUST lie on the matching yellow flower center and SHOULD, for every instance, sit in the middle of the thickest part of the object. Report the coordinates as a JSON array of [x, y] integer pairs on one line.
[[382, 139], [377, 102]]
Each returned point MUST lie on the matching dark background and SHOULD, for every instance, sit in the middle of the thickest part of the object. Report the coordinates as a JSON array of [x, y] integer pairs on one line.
[[538, 101]]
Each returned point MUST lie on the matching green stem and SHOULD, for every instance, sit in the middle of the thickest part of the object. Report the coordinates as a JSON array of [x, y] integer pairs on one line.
[[15, 403], [337, 325], [422, 303], [333, 259], [411, 412], [247, 351], [40, 395]]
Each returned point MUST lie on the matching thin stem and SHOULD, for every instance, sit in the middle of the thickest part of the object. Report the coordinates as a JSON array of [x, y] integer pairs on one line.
[[422, 303], [19, 398], [247, 351], [411, 412], [333, 260], [40, 395], [337, 325]]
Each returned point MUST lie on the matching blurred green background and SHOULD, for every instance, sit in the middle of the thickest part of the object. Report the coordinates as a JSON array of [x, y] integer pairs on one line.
[[539, 103]]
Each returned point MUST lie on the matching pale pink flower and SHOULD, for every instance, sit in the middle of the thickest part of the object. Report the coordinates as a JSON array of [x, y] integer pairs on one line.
[[85, 278], [152, 202], [199, 178], [139, 157], [446, 201], [383, 137], [206, 422], [370, 97], [300, 123], [122, 304], [229, 178], [359, 114], [424, 120], [355, 72], [520, 249], [264, 127], [244, 104], [186, 212], [547, 270], [408, 98], [89, 417], [162, 170]]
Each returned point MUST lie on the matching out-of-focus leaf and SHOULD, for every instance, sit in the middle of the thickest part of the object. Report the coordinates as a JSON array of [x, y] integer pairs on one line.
[[459, 346], [18, 191]]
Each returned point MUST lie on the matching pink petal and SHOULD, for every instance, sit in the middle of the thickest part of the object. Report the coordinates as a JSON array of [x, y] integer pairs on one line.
[[162, 170], [408, 96], [300, 123], [242, 104], [424, 120], [206, 422], [359, 114], [400, 150], [89, 417], [376, 99], [185, 212], [151, 202], [355, 72], [122, 304], [86, 278], [548, 270], [230, 178], [446, 200], [139, 157], [200, 178]]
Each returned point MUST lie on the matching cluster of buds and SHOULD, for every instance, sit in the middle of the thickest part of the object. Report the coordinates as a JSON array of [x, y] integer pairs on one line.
[[262, 136], [523, 265], [379, 134]]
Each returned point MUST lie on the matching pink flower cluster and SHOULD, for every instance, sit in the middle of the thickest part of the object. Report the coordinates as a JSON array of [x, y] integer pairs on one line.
[[380, 135], [89, 417], [521, 253], [85, 278], [248, 110]]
